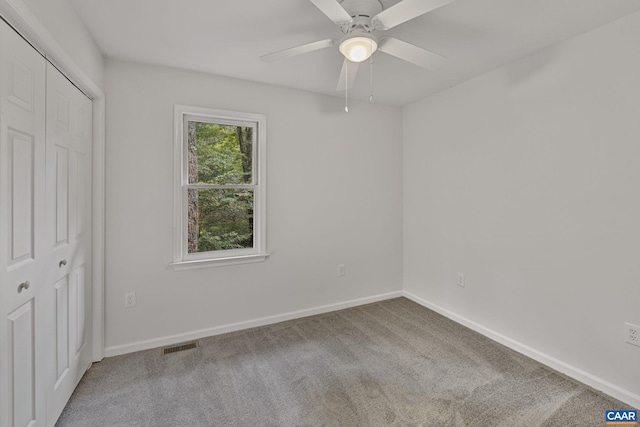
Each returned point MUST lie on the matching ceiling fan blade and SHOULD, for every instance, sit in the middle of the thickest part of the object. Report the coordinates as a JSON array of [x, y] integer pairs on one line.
[[404, 11], [349, 73], [298, 50], [333, 10], [411, 53]]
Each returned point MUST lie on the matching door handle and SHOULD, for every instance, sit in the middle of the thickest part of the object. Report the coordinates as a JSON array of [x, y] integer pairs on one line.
[[62, 263], [23, 286]]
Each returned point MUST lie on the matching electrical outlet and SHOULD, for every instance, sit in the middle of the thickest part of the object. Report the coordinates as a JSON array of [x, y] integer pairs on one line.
[[130, 299], [632, 334], [341, 270], [461, 279]]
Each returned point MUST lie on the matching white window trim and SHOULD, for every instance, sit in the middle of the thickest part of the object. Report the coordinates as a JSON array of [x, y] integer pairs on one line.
[[181, 259]]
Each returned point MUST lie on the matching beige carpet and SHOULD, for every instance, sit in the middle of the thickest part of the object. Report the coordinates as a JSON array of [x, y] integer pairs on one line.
[[393, 363]]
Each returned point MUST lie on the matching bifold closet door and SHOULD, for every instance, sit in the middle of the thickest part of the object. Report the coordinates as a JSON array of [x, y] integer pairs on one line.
[[45, 236], [24, 293], [68, 136]]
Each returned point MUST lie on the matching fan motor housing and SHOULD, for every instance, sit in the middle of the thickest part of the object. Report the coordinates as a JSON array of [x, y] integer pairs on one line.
[[362, 8]]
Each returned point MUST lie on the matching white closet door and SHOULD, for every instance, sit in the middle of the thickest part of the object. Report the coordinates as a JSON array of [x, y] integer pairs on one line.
[[23, 250], [69, 118]]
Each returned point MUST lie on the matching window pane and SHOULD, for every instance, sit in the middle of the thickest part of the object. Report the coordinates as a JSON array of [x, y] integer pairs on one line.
[[220, 220], [219, 154]]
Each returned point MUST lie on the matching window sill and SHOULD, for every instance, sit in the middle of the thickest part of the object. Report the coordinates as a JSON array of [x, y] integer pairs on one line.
[[217, 262]]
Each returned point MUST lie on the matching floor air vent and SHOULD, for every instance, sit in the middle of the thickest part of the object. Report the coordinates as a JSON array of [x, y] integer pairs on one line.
[[180, 347]]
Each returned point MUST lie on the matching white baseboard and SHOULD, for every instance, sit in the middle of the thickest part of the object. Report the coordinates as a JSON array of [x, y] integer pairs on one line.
[[232, 327], [584, 377]]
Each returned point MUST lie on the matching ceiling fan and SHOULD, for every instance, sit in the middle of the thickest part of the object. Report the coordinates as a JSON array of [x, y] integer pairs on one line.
[[359, 20]]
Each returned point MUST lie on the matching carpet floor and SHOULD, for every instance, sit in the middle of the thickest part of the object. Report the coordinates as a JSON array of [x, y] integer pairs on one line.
[[392, 363]]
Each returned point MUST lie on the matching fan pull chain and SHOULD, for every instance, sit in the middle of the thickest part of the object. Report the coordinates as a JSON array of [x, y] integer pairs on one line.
[[371, 74], [346, 86]]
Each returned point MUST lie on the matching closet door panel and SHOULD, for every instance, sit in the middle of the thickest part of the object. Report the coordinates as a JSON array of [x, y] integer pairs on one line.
[[24, 298], [69, 213], [62, 327], [61, 197], [21, 348], [20, 161]]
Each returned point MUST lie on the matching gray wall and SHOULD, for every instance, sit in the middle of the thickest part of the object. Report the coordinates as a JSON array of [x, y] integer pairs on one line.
[[334, 195], [526, 179]]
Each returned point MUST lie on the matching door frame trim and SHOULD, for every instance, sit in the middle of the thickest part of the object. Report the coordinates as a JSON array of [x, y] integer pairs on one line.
[[29, 26]]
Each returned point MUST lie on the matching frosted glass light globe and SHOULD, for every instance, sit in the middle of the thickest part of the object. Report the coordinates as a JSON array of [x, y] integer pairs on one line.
[[358, 49]]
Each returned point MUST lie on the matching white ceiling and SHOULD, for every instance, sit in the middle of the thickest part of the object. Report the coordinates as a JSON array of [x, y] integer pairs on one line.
[[228, 37]]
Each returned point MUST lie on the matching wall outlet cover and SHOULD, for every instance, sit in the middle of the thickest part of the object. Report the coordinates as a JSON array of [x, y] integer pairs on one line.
[[632, 334], [129, 299]]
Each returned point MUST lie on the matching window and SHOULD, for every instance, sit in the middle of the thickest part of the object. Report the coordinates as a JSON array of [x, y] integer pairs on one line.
[[219, 187]]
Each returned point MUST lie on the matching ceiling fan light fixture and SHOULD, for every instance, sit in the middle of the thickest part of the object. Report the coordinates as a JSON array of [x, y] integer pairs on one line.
[[358, 47]]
